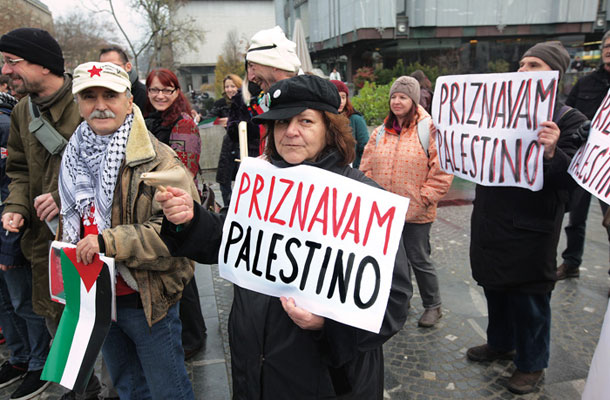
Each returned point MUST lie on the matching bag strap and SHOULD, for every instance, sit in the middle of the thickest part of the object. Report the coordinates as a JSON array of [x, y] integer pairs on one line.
[[34, 111], [379, 135], [46, 134], [423, 133], [562, 112]]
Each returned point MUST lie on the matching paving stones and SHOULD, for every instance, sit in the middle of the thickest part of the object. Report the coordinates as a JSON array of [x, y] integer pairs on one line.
[[430, 363]]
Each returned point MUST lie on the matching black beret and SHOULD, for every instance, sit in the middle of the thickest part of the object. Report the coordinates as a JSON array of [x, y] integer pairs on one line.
[[292, 96]]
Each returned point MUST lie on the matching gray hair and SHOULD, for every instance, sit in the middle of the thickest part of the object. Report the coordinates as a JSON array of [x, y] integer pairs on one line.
[[604, 38]]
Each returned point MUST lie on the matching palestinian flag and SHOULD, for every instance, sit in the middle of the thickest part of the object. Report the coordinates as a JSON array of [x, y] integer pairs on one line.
[[84, 323], [209, 122]]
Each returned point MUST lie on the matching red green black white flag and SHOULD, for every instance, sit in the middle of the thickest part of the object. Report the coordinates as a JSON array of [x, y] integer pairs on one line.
[[88, 291]]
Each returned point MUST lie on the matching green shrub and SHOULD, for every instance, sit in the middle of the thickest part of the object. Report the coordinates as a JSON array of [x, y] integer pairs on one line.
[[498, 66], [385, 76], [363, 75], [373, 102], [431, 71]]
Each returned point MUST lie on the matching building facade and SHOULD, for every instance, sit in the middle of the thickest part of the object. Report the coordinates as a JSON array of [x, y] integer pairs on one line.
[[461, 36], [217, 19], [20, 13]]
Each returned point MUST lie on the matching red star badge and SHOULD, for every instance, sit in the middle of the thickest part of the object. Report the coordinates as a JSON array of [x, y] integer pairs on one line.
[[95, 71]]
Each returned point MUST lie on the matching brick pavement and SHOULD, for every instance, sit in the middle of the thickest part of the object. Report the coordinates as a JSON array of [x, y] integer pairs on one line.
[[431, 363]]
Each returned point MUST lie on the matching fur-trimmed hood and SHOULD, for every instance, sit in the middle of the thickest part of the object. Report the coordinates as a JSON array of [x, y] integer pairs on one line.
[[139, 147]]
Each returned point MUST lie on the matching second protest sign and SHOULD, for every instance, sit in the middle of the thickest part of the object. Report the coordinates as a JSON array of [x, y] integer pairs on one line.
[[488, 126]]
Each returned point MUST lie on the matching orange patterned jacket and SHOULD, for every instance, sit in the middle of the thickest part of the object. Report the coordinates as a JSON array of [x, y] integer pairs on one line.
[[399, 164]]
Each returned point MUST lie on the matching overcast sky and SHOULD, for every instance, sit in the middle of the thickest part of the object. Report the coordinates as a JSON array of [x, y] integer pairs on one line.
[[130, 20]]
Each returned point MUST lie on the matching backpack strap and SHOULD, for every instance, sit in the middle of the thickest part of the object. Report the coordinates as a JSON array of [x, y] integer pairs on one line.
[[379, 135], [423, 133], [562, 111]]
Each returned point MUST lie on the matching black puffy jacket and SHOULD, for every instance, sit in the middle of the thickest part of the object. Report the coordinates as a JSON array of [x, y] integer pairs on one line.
[[515, 231]]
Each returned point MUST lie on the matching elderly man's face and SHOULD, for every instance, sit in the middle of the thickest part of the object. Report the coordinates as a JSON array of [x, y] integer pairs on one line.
[[104, 110], [262, 75]]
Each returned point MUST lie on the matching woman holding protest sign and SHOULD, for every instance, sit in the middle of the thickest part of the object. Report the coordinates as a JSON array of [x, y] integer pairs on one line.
[[401, 156], [279, 350]]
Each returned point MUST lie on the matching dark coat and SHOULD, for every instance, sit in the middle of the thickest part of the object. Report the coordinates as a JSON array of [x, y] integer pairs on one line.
[[34, 171], [271, 357], [589, 92], [138, 90], [220, 108], [227, 166], [240, 111], [514, 231], [10, 242]]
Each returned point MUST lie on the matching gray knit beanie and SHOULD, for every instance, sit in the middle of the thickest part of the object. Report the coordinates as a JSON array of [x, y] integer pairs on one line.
[[408, 86], [552, 53]]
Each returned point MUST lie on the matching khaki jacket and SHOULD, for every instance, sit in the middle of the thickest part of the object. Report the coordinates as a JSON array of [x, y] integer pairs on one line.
[[34, 171], [133, 239]]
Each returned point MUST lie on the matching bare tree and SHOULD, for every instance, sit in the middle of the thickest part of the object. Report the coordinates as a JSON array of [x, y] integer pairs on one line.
[[81, 36], [231, 61], [166, 32]]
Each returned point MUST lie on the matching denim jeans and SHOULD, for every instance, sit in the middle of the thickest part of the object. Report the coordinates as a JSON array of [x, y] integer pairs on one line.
[[147, 362], [520, 322], [577, 226], [26, 334], [416, 239]]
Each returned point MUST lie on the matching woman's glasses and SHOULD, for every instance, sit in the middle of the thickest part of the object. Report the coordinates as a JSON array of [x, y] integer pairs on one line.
[[166, 92]]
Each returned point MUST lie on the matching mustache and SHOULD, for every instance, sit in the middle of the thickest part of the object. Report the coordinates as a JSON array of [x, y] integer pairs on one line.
[[97, 114]]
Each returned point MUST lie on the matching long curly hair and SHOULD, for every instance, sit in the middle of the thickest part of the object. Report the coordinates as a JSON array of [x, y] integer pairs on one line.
[[181, 105]]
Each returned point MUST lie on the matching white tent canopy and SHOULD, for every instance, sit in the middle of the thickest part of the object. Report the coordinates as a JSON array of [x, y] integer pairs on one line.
[[298, 36]]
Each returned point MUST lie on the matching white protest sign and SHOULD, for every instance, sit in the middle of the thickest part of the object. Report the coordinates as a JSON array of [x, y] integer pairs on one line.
[[590, 165], [323, 239], [488, 124]]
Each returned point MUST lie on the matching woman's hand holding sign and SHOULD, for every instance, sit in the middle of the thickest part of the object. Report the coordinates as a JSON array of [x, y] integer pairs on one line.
[[303, 318], [177, 205], [548, 137]]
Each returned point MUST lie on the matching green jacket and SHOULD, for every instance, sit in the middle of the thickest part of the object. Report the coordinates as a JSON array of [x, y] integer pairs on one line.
[[34, 171], [133, 240]]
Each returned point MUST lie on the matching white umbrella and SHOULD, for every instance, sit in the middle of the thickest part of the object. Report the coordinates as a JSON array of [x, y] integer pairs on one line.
[[298, 36]]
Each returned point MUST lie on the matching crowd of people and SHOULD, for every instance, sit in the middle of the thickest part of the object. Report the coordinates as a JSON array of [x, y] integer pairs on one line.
[[75, 145]]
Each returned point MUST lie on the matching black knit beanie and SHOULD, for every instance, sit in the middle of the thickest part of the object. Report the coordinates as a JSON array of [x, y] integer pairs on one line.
[[552, 53], [35, 45]]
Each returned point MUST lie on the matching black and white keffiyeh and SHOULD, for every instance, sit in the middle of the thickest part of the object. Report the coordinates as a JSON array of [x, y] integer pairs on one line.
[[88, 175]]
